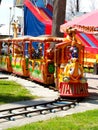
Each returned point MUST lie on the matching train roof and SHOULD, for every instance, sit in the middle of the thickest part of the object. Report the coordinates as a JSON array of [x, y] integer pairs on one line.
[[47, 38], [41, 38], [8, 39]]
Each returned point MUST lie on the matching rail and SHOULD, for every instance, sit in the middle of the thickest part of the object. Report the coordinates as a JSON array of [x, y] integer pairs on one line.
[[42, 108]]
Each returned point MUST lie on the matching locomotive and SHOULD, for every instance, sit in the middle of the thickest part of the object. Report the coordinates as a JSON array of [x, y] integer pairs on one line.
[[48, 60]]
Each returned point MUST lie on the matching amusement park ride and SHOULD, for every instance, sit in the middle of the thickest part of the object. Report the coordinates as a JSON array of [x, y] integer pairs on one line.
[[34, 57]]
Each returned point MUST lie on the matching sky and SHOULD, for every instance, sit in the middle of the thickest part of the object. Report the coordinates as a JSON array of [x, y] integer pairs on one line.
[[6, 13]]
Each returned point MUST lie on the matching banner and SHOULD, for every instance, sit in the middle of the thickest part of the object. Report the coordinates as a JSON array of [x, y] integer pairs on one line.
[[38, 3]]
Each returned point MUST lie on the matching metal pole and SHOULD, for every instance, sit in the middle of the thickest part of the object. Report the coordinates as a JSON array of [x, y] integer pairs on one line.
[[10, 20]]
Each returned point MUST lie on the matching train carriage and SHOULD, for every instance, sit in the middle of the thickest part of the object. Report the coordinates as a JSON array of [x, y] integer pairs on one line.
[[19, 59], [33, 57], [41, 60], [5, 54]]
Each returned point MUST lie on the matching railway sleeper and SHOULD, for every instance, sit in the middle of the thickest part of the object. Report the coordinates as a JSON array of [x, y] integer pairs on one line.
[[43, 108]]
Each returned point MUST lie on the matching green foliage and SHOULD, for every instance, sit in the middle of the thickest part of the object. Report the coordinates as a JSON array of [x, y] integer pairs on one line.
[[89, 70], [81, 121], [10, 91]]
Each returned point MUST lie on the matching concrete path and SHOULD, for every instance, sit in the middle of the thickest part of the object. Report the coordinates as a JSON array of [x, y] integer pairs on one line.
[[45, 95]]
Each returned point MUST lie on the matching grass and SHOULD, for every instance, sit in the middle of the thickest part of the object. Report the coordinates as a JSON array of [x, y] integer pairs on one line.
[[81, 121], [10, 91]]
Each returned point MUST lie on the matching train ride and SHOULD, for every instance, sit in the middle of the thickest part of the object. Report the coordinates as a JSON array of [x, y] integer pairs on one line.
[[48, 60]]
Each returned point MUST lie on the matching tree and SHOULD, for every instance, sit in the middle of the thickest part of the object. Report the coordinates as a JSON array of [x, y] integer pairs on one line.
[[77, 5], [0, 1], [59, 11], [73, 7]]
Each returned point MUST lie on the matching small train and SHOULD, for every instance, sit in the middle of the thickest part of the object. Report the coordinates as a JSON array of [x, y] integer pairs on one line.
[[48, 60]]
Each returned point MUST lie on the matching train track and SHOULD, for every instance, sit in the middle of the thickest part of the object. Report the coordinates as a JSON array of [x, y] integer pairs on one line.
[[42, 108]]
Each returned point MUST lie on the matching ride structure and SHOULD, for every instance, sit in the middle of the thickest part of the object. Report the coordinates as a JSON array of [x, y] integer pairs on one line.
[[50, 60], [69, 77], [47, 59]]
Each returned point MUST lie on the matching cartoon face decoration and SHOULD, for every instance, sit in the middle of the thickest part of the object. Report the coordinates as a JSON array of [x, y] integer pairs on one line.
[[74, 52], [73, 70]]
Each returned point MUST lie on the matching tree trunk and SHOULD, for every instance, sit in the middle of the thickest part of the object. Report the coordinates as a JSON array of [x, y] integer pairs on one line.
[[77, 5], [0, 1], [59, 9]]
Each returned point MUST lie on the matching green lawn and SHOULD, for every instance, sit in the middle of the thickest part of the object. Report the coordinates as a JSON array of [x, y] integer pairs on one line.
[[82, 121], [10, 91]]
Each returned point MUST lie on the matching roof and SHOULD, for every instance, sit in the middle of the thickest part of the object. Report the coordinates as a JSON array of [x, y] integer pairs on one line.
[[87, 22]]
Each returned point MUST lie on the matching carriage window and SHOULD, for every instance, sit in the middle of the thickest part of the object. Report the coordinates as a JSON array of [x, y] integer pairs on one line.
[[71, 52], [37, 50], [67, 53], [18, 49], [10, 48], [74, 52], [4, 48], [26, 46]]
